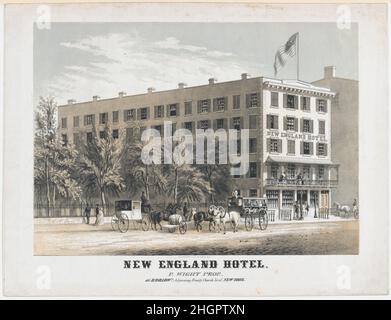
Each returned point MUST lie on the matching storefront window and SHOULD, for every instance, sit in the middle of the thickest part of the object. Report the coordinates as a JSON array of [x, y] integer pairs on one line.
[[272, 198], [287, 198]]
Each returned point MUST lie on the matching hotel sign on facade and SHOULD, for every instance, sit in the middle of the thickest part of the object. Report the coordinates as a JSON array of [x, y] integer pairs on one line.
[[296, 136]]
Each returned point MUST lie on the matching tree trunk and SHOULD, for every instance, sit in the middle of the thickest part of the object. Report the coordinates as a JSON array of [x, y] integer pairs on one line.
[[146, 185], [103, 200], [176, 186], [47, 188]]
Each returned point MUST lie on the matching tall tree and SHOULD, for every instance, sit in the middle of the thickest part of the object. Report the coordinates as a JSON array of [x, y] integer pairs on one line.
[[100, 163], [54, 161], [138, 173]]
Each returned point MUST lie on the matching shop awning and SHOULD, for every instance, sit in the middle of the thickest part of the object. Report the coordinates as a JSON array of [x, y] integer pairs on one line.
[[302, 160]]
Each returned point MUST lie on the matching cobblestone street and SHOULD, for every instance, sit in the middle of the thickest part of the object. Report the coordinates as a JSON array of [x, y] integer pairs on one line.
[[306, 238]]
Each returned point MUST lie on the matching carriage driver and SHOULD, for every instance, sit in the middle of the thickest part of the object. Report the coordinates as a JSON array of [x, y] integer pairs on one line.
[[145, 204]]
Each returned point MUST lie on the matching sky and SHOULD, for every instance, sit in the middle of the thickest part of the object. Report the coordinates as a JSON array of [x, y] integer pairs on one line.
[[80, 60]]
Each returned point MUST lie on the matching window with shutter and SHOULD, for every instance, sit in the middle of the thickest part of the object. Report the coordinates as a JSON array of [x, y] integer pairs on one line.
[[253, 170], [204, 106], [219, 124], [306, 148], [306, 126], [236, 123], [219, 104], [291, 101], [321, 105], [274, 99], [322, 127], [236, 102], [115, 116], [129, 114], [76, 121], [290, 123], [252, 145], [188, 107], [305, 103], [291, 146], [253, 122], [64, 123]]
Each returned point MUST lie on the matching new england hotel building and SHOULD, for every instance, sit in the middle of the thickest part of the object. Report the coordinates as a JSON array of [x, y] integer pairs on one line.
[[288, 121]]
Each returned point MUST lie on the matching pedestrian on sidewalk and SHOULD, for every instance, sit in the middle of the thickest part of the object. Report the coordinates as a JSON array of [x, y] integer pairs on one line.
[[87, 212], [99, 216], [296, 210]]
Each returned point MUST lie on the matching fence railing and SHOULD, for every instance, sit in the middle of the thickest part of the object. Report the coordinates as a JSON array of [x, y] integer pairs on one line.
[[75, 210]]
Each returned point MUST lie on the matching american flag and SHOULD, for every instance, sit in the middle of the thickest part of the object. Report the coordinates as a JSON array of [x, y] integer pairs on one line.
[[285, 51]]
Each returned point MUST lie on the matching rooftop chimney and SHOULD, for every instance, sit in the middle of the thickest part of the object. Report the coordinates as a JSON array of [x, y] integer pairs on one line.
[[212, 80], [95, 98], [245, 76], [150, 90], [121, 94], [71, 101], [181, 85], [329, 72]]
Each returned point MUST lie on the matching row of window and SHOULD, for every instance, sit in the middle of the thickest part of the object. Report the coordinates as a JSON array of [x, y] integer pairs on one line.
[[292, 172], [291, 101], [306, 147], [172, 110], [292, 124], [236, 123]]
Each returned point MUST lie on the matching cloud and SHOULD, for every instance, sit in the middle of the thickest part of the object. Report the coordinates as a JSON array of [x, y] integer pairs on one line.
[[126, 62]]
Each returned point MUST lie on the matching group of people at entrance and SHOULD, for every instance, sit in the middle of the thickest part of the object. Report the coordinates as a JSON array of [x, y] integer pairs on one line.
[[98, 214], [299, 209]]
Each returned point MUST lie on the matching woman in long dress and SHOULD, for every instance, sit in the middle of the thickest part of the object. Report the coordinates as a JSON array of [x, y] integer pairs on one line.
[[99, 216]]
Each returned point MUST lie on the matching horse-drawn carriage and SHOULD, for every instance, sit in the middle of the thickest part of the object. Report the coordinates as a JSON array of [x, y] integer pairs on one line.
[[126, 212], [253, 210]]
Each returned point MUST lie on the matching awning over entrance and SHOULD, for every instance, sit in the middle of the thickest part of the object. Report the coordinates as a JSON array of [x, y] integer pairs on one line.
[[281, 159]]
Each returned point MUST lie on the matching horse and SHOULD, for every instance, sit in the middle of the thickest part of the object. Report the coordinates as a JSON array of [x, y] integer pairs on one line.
[[156, 218], [221, 216], [198, 218], [345, 209]]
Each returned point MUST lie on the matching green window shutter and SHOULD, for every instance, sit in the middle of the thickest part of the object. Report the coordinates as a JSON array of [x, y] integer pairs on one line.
[[268, 144], [225, 103], [296, 124], [312, 126], [276, 121], [325, 149], [178, 113], [268, 121], [301, 147], [311, 148], [209, 105], [302, 125], [317, 148], [296, 102], [285, 124], [148, 113], [284, 100], [138, 114]]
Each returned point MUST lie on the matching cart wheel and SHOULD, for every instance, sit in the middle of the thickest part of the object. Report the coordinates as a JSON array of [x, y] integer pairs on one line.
[[263, 221], [123, 223], [212, 226], [248, 222], [145, 224], [182, 227], [199, 227], [114, 223]]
